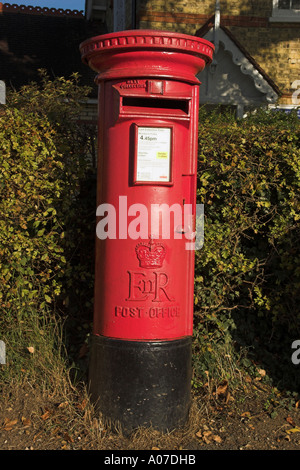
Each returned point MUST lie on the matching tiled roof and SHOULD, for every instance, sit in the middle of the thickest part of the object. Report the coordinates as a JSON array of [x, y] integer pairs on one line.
[[30, 10]]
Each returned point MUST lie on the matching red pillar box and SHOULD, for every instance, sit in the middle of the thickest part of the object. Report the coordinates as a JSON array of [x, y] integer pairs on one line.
[[140, 369]]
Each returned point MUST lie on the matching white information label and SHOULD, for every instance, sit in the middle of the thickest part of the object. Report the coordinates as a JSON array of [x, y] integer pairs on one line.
[[153, 154]]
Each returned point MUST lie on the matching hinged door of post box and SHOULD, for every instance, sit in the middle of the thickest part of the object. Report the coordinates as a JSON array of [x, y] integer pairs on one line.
[[148, 174]]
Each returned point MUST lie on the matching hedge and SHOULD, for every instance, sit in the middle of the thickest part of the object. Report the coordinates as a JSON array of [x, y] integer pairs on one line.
[[247, 275], [247, 280], [46, 217]]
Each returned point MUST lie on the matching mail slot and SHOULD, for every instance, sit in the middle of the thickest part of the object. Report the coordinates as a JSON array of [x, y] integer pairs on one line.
[[152, 105], [140, 367]]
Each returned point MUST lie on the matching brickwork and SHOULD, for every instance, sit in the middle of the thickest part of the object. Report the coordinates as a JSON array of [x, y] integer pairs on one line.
[[262, 8], [89, 113], [277, 49], [274, 46]]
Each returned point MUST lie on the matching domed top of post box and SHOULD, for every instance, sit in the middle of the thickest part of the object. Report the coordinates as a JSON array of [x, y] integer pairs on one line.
[[138, 53]]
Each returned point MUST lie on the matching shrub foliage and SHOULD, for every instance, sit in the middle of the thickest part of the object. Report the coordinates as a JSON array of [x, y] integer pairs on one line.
[[45, 216], [30, 230], [247, 275]]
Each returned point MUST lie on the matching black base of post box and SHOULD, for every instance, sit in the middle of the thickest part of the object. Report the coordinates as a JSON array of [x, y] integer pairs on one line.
[[136, 383]]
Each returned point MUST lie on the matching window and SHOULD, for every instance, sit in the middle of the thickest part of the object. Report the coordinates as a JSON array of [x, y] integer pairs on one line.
[[289, 4], [286, 10]]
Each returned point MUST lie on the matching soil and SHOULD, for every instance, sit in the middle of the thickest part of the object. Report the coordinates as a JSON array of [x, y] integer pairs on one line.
[[251, 420]]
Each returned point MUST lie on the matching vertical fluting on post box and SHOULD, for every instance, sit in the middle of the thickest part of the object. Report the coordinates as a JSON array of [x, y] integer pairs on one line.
[[140, 366]]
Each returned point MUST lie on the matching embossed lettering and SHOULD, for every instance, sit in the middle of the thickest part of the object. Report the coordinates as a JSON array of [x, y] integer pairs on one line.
[[161, 282], [163, 312], [143, 312], [133, 84], [145, 285], [125, 312]]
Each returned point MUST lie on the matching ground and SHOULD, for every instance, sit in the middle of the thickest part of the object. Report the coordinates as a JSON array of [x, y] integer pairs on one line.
[[257, 419]]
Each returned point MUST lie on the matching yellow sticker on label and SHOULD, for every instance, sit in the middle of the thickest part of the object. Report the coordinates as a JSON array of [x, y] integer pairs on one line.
[[162, 155]]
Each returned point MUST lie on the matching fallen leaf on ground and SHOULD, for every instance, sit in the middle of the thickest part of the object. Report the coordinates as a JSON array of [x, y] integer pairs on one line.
[[223, 391], [65, 446], [289, 431], [290, 421], [246, 414], [9, 424], [46, 415], [207, 436], [222, 388], [81, 406], [26, 422], [63, 404]]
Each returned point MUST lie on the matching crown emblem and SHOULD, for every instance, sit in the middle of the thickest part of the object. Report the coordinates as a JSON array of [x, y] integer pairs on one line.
[[150, 255]]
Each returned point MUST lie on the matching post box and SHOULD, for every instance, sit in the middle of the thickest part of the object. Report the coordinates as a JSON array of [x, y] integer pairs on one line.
[[140, 366]]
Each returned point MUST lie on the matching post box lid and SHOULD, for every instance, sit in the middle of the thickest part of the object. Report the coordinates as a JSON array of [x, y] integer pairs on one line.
[[136, 53]]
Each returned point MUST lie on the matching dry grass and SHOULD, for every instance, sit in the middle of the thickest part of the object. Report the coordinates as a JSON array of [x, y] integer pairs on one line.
[[40, 419]]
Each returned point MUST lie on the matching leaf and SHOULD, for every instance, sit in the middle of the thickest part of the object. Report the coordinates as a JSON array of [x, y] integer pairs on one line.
[[63, 404], [65, 446], [26, 422], [30, 349], [292, 430], [246, 414], [9, 424], [290, 421], [46, 415], [222, 388], [262, 372], [81, 406], [207, 436]]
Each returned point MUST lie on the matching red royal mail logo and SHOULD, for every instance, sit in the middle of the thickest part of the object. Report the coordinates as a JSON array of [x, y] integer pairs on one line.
[[149, 285], [150, 255], [153, 285]]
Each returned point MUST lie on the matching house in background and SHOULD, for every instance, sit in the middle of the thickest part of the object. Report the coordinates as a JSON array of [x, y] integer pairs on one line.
[[33, 38], [234, 79], [257, 58]]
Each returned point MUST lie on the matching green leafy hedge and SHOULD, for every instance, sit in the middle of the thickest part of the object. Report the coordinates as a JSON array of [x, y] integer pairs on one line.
[[46, 215], [248, 273], [30, 230]]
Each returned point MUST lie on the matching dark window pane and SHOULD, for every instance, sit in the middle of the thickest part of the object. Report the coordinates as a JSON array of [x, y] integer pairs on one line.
[[284, 4], [296, 4]]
